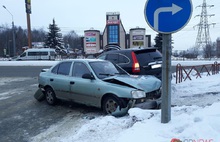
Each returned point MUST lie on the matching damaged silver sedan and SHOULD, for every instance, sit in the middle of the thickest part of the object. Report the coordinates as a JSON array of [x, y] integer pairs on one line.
[[99, 83]]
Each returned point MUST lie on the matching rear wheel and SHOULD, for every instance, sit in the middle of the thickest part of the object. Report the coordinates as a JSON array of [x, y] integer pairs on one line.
[[50, 96], [111, 103]]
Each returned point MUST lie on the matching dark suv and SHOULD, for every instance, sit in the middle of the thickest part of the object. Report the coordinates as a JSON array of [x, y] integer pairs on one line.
[[138, 61]]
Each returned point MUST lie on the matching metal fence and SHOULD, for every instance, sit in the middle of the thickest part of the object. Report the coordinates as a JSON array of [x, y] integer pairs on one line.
[[184, 72]]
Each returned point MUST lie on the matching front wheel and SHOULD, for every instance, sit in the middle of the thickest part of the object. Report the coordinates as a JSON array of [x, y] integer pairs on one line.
[[50, 96], [111, 103]]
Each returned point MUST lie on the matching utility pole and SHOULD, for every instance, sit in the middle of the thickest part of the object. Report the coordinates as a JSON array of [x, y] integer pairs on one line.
[[13, 32], [203, 38], [28, 11]]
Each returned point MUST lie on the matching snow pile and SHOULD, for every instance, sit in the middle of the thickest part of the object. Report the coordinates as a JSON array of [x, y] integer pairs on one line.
[[187, 123], [196, 117], [201, 91], [28, 63]]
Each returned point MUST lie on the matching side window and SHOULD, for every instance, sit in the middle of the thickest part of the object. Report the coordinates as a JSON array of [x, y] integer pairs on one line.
[[122, 59], [54, 70], [79, 69], [23, 54], [52, 53], [44, 53], [33, 53], [64, 68], [113, 58], [102, 57]]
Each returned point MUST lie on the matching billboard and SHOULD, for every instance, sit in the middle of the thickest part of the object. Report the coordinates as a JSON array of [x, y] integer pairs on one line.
[[138, 37], [91, 42], [28, 6], [90, 39]]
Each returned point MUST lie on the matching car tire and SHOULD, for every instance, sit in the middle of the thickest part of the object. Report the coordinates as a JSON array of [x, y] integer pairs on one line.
[[50, 96], [110, 104]]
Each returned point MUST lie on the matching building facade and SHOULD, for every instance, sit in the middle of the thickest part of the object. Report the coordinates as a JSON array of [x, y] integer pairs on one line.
[[138, 38], [114, 33]]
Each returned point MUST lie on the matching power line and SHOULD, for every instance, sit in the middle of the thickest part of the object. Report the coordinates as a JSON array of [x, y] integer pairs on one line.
[[203, 38]]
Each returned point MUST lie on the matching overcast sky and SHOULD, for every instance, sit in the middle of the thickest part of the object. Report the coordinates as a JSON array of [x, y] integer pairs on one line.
[[86, 14]]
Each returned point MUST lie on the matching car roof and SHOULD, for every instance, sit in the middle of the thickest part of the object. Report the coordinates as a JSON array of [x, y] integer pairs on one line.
[[40, 49], [84, 60], [152, 49]]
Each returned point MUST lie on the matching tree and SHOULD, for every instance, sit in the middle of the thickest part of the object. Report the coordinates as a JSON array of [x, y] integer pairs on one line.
[[209, 51], [54, 38], [38, 35], [72, 40], [218, 47], [192, 53], [158, 41]]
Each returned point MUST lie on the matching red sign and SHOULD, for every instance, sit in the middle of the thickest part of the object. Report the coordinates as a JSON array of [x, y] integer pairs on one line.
[[110, 22], [90, 34], [90, 44]]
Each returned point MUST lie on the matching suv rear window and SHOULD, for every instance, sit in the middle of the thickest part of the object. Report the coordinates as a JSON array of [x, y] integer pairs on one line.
[[146, 57], [117, 58]]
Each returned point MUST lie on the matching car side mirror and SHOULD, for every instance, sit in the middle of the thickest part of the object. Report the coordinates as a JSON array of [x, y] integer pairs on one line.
[[88, 76]]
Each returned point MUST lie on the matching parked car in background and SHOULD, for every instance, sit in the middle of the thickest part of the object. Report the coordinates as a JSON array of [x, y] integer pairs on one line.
[[138, 61], [37, 54], [98, 83]]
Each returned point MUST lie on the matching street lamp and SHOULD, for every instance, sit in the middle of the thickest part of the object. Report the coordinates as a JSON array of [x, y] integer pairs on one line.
[[13, 31]]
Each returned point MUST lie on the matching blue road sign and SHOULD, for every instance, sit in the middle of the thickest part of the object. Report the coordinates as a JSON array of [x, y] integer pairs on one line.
[[167, 16]]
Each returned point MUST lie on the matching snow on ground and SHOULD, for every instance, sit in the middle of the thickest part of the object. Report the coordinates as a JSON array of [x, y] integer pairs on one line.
[[195, 118], [201, 91], [5, 80], [27, 63]]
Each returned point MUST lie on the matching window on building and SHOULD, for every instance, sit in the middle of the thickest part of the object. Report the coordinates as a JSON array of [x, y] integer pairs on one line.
[[113, 34]]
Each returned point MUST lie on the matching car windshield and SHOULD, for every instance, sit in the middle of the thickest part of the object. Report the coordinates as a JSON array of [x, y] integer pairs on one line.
[[104, 69]]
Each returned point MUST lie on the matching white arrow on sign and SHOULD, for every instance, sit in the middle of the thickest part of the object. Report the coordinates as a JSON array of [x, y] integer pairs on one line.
[[174, 9]]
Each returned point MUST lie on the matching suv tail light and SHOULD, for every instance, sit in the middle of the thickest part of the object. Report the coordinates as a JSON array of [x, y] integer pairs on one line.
[[135, 65]]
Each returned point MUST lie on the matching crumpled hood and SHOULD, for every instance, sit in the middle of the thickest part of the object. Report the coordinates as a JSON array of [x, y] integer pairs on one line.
[[147, 83]]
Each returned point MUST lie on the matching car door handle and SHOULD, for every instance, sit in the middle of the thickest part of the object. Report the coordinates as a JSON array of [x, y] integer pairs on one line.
[[51, 79], [72, 82]]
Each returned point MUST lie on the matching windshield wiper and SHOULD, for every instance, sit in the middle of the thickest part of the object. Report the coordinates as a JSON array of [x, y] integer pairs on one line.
[[121, 73], [106, 74]]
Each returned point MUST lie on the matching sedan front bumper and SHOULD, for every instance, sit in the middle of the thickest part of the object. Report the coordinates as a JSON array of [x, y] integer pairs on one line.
[[149, 104]]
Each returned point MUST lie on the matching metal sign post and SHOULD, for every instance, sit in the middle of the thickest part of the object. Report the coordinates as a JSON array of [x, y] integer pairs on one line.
[[167, 17], [166, 79]]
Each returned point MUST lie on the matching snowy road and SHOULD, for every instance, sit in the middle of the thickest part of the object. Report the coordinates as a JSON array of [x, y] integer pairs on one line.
[[22, 117]]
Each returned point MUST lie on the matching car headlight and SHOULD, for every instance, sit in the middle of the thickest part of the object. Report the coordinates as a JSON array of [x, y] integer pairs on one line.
[[138, 94]]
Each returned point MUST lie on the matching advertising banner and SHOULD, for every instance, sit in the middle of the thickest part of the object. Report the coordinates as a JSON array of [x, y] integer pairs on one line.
[[138, 37], [28, 6]]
